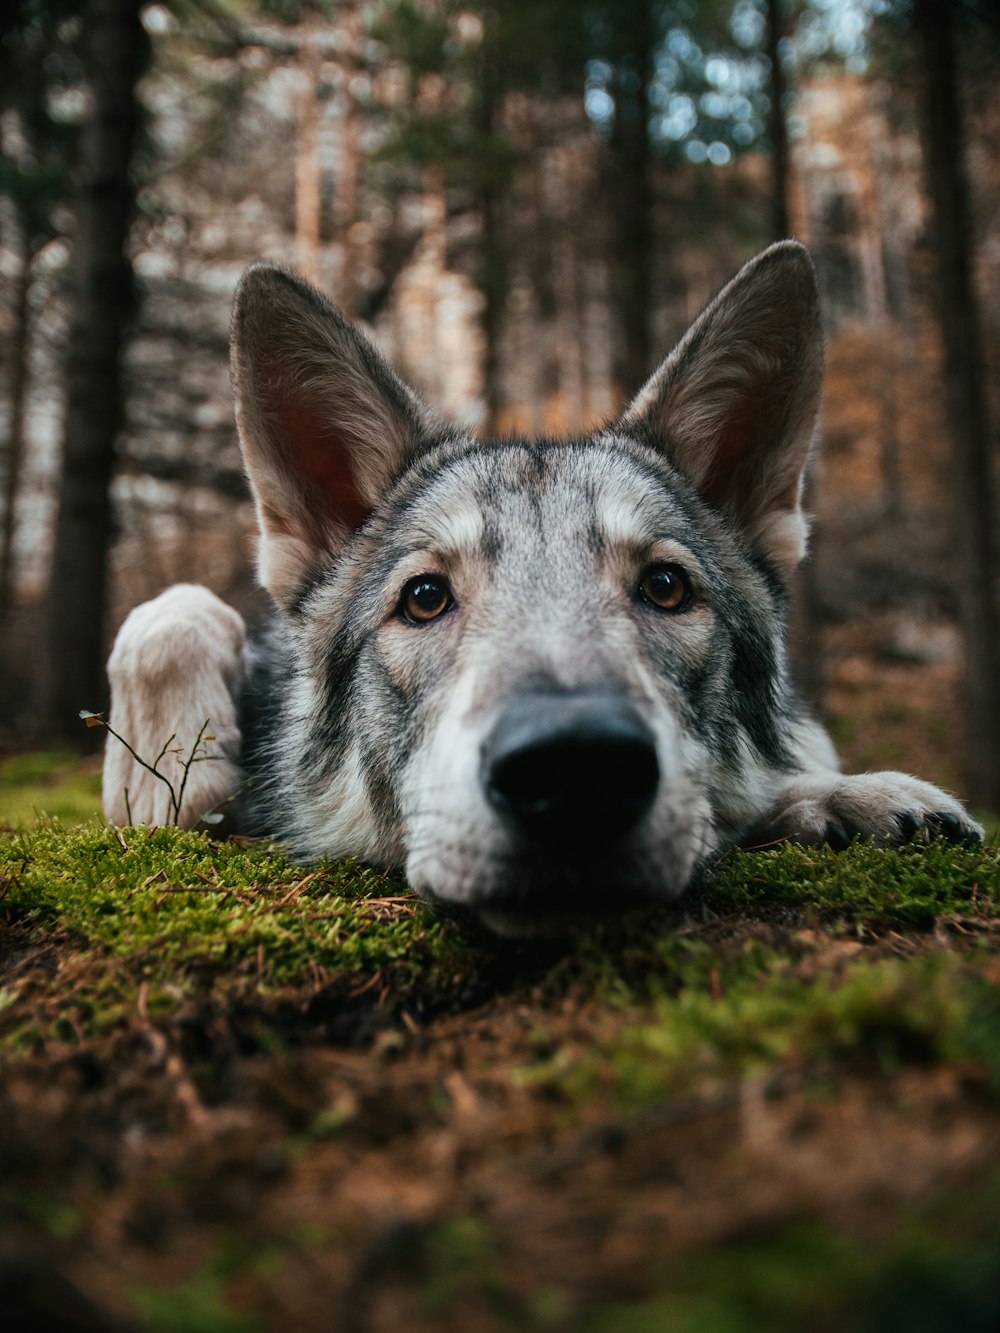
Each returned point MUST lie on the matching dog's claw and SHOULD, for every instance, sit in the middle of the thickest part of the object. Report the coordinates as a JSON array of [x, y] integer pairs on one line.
[[837, 837], [947, 825], [909, 824], [951, 829]]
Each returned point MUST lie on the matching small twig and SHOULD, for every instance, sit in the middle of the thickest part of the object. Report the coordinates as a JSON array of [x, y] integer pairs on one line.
[[196, 888], [297, 889], [156, 761], [98, 720], [176, 795], [187, 769], [368, 985]]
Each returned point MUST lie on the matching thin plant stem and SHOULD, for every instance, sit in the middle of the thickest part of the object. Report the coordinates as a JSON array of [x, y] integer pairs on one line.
[[166, 747], [176, 795], [187, 769], [143, 763]]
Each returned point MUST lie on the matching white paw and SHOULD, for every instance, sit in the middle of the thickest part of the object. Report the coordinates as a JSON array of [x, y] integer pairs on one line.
[[174, 673], [888, 808]]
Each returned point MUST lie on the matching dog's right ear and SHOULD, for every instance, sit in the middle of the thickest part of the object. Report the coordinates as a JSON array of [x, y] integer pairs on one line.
[[324, 424]]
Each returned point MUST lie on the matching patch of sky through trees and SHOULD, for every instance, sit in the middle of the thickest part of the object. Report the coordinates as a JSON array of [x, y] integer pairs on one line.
[[711, 105]]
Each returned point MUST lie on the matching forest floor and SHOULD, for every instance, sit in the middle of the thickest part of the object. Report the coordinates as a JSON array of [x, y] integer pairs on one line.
[[241, 1095]]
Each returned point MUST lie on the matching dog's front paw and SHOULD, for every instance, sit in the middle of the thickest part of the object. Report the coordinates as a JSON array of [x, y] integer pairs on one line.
[[888, 808]]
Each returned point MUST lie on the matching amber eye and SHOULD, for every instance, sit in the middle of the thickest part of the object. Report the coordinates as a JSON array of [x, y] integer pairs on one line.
[[425, 598], [666, 587]]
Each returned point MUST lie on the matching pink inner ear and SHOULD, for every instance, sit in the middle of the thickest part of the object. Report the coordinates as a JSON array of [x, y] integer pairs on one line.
[[734, 443], [321, 458], [743, 455]]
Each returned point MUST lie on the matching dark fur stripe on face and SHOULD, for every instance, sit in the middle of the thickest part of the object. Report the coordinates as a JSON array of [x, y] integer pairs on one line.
[[746, 668]]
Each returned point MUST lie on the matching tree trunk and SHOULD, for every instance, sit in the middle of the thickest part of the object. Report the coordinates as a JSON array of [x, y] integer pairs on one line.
[[116, 54], [805, 639], [15, 440], [633, 191], [347, 192], [308, 181], [542, 269], [777, 124], [944, 147], [493, 275]]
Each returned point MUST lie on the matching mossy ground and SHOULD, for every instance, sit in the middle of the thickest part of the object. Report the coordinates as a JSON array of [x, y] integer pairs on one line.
[[242, 1094], [53, 782]]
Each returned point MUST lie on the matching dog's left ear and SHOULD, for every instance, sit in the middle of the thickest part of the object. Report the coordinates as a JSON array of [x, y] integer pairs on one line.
[[325, 425], [735, 404]]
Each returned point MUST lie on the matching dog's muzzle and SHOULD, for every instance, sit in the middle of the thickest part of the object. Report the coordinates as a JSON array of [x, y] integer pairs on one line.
[[563, 768]]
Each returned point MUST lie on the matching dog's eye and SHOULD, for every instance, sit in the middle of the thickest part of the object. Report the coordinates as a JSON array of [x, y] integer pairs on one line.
[[666, 587], [425, 598]]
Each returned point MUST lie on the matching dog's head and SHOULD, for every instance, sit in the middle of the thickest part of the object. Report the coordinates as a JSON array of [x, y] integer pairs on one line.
[[547, 677]]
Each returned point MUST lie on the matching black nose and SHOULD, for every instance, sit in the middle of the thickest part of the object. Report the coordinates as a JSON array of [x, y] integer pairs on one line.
[[579, 766]]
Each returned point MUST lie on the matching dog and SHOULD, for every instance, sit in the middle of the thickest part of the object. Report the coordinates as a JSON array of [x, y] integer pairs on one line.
[[548, 679]]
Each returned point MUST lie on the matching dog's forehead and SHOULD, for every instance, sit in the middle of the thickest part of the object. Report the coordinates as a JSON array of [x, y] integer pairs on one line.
[[494, 494]]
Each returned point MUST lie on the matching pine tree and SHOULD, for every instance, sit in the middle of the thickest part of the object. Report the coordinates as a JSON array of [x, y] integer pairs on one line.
[[116, 53]]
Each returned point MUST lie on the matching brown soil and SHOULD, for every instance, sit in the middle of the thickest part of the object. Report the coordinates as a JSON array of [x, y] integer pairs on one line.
[[414, 1181]]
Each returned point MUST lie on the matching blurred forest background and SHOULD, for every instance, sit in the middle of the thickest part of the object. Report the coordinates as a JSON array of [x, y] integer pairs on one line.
[[526, 204]]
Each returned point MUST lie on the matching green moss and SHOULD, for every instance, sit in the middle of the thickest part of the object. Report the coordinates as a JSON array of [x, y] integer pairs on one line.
[[169, 899], [871, 887], [457, 1256], [784, 961], [58, 1218], [882, 1014], [198, 1306], [791, 1280], [939, 1271], [56, 782], [165, 912], [157, 916], [728, 1002]]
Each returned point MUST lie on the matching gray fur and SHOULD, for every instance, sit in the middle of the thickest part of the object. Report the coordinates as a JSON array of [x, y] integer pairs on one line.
[[367, 734]]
